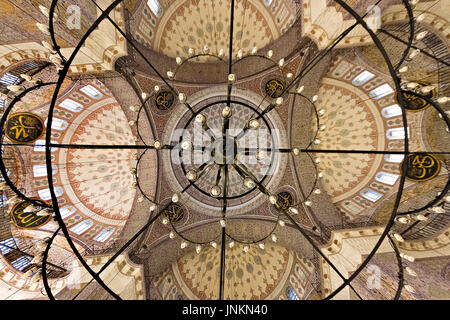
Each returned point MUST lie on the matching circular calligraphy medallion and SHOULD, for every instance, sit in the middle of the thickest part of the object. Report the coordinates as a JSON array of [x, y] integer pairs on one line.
[[415, 101], [24, 127], [163, 100], [285, 200], [274, 87], [29, 220], [174, 212], [422, 166]]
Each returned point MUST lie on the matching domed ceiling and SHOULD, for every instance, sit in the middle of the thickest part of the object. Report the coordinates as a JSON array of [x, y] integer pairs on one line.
[[183, 24]]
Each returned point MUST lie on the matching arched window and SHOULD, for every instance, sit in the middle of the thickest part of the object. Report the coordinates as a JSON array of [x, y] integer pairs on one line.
[[104, 234], [40, 170], [290, 294], [71, 105], [81, 227], [396, 133], [67, 211], [58, 124], [9, 79], [391, 111], [370, 194], [155, 7], [39, 146], [387, 178], [44, 194], [3, 200], [381, 91], [396, 158], [267, 2], [1, 176], [362, 78], [92, 92], [21, 263], [7, 245]]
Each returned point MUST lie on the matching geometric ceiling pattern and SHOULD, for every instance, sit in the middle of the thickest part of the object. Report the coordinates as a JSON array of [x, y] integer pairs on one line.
[[224, 150]]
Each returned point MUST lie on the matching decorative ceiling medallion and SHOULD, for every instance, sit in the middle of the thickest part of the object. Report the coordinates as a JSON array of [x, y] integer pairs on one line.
[[274, 87], [24, 127], [163, 100], [174, 212], [414, 101], [29, 220], [285, 200], [422, 166]]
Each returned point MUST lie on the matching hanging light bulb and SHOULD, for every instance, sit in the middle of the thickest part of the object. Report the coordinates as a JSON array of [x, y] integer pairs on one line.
[[321, 112], [165, 221], [131, 123], [414, 53], [231, 78], [254, 50], [420, 17], [317, 160], [261, 246], [221, 53], [226, 112], [214, 244], [322, 127], [222, 222], [246, 248], [403, 69], [315, 98], [320, 175], [411, 271], [300, 90], [26, 77], [44, 212], [141, 199], [281, 62], [272, 199], [205, 49], [14, 88], [410, 258], [421, 35], [55, 59], [43, 28], [412, 85], [281, 223], [409, 288], [296, 151], [279, 101], [231, 244], [171, 235], [403, 220], [260, 155], [152, 207], [253, 124], [134, 108], [437, 209], [274, 237], [157, 89], [200, 118], [269, 54], [216, 191], [191, 175], [157, 144], [421, 217], [398, 237], [427, 89], [239, 54], [293, 210], [175, 198], [183, 244], [179, 60], [316, 141], [185, 145], [289, 75], [191, 52], [144, 96], [308, 203], [249, 183], [442, 100], [170, 74], [48, 46], [198, 248], [317, 191]]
